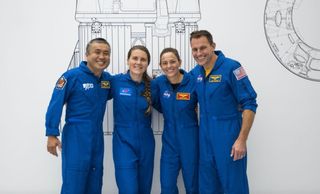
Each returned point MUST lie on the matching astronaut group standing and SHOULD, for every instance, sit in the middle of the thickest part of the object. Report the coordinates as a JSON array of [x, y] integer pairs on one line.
[[208, 113]]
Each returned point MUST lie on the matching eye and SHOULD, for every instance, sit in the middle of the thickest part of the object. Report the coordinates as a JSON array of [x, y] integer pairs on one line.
[[164, 63], [203, 48], [173, 62], [134, 58]]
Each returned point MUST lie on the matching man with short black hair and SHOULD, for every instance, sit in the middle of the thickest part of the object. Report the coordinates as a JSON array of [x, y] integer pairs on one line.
[[85, 91]]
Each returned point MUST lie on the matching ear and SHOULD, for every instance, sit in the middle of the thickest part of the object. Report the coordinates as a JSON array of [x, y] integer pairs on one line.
[[214, 45]]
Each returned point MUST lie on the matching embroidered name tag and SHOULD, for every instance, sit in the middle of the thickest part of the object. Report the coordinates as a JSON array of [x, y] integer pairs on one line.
[[183, 96], [105, 84], [215, 78]]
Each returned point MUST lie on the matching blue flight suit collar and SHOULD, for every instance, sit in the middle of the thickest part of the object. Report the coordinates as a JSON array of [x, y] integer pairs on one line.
[[219, 60], [185, 78], [218, 63], [84, 67], [128, 77]]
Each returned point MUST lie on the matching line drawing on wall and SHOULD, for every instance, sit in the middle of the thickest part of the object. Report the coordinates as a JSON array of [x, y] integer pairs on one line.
[[156, 24], [292, 33]]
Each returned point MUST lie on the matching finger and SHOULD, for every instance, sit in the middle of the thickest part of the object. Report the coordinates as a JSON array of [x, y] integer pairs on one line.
[[52, 150], [232, 152], [59, 147], [237, 156], [241, 155]]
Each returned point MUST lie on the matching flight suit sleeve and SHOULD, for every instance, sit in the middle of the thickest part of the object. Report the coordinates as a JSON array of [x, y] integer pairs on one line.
[[110, 96], [242, 89], [155, 94], [59, 97]]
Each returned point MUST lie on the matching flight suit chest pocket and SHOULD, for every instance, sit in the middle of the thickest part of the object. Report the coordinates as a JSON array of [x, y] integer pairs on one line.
[[216, 88]]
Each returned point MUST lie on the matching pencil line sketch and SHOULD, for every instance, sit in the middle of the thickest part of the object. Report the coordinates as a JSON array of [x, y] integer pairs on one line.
[[154, 23], [292, 33]]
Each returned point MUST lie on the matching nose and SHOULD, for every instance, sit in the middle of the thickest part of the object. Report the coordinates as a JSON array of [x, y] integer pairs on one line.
[[198, 52], [139, 61], [101, 55], [169, 64]]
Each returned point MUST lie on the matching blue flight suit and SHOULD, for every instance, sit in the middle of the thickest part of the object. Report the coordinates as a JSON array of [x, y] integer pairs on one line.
[[85, 96], [222, 96], [180, 135], [133, 140]]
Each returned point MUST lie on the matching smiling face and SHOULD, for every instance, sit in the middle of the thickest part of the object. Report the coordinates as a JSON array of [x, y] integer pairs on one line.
[[170, 65], [138, 62], [98, 57], [202, 51]]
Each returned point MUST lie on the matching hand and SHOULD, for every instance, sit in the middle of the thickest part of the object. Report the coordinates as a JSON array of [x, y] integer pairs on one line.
[[239, 149], [52, 144]]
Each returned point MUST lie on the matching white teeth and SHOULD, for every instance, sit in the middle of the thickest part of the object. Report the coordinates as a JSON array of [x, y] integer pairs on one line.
[[137, 66]]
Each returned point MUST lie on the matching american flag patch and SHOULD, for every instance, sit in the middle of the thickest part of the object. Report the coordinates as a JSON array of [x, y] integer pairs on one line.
[[240, 73]]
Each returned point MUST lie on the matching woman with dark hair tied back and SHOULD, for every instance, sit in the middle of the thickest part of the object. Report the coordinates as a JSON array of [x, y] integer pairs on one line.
[[175, 96], [133, 140]]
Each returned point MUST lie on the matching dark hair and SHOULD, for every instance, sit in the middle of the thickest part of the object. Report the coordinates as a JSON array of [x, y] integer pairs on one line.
[[96, 40], [200, 33], [170, 50], [139, 47], [145, 77]]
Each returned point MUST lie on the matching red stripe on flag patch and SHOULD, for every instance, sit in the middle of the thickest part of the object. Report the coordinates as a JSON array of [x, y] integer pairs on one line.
[[240, 73]]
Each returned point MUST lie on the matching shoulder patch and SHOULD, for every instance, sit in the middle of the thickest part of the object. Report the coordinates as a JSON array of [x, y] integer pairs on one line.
[[61, 83], [240, 73]]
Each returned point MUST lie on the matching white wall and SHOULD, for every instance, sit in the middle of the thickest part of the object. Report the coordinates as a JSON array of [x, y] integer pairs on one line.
[[37, 39]]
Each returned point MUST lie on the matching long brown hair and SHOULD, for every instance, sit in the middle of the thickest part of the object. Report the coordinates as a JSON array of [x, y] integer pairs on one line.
[[145, 77]]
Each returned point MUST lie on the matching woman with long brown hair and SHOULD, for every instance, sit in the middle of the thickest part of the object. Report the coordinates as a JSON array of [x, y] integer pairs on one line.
[[133, 140]]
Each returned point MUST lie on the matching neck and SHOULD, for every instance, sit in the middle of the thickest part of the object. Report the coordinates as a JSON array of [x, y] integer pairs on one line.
[[212, 61], [95, 72], [136, 77], [176, 79]]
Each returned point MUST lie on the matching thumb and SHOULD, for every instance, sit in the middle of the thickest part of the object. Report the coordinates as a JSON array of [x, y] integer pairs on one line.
[[59, 146], [232, 152]]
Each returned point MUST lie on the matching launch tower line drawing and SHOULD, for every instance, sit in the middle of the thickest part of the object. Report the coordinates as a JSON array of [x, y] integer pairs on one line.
[[156, 24]]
